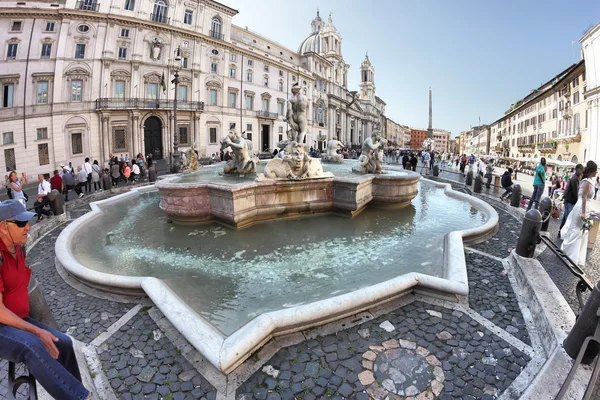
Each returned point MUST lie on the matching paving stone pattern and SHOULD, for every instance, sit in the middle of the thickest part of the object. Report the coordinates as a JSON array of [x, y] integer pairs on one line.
[[141, 363], [82, 316], [492, 295], [502, 243], [476, 363]]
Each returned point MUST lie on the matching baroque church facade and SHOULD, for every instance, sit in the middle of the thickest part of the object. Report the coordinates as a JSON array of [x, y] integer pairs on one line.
[[88, 79]]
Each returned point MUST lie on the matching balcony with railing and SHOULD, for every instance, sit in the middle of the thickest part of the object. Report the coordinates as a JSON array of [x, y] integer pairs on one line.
[[156, 104], [160, 18], [266, 114], [87, 5], [216, 34]]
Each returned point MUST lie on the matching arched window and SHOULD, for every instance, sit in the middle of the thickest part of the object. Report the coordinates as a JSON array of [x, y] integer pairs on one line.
[[160, 11], [574, 160], [216, 28]]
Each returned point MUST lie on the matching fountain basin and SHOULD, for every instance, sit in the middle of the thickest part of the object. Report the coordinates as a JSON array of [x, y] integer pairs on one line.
[[242, 203], [176, 291]]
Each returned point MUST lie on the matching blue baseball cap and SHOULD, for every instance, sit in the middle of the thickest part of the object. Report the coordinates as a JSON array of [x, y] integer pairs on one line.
[[14, 209]]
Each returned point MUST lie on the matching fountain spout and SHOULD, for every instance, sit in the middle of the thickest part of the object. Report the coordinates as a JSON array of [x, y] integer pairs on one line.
[[108, 238]]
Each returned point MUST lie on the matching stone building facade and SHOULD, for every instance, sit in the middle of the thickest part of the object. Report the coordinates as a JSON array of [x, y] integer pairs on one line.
[[551, 121], [441, 138], [417, 137], [87, 79], [396, 134], [590, 43]]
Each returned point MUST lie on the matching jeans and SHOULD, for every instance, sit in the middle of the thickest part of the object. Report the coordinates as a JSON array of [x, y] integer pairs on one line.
[[568, 209], [39, 207], [508, 191], [538, 190], [61, 377]]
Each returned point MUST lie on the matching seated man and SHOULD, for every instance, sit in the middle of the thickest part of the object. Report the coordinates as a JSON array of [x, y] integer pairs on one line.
[[506, 182], [42, 198], [47, 353]]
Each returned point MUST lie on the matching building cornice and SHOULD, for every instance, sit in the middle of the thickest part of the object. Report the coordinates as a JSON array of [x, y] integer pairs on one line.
[[220, 7], [590, 32]]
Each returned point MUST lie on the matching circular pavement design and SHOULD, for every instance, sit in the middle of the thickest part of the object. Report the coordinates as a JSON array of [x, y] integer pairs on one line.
[[400, 369]]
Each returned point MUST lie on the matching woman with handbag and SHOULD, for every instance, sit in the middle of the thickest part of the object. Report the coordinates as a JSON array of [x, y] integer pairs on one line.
[[96, 176]]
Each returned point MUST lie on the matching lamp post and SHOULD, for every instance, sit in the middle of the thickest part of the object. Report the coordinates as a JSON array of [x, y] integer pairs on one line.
[[176, 166]]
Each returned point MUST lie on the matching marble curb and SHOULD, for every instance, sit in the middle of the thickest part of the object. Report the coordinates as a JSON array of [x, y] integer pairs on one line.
[[65, 257], [226, 353], [553, 318]]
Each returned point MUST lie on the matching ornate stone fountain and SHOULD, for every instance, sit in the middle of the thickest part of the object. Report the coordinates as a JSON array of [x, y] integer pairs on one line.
[[293, 186]]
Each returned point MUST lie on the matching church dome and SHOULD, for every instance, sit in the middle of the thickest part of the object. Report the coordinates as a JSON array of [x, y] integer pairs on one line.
[[313, 42]]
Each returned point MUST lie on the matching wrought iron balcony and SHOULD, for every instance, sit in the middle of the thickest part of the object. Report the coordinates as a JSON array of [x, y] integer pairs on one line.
[[160, 18], [267, 114], [135, 103], [87, 5], [547, 146], [216, 34]]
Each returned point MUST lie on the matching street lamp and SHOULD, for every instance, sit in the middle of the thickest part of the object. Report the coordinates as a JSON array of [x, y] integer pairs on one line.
[[176, 166]]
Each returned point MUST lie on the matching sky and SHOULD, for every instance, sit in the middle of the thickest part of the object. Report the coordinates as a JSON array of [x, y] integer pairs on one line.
[[478, 56]]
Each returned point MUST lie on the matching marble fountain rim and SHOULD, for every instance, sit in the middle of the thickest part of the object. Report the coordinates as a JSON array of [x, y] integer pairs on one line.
[[168, 184], [227, 352]]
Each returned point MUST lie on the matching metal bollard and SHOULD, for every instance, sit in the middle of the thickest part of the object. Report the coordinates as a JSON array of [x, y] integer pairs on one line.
[[57, 202], [532, 224], [477, 184], [106, 182], [545, 208], [469, 178], [515, 197], [436, 170], [151, 175], [585, 326]]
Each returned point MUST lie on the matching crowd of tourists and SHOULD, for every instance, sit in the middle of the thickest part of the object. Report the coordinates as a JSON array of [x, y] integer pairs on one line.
[[85, 178]]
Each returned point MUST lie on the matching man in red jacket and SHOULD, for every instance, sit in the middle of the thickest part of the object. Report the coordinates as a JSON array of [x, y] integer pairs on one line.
[[47, 353]]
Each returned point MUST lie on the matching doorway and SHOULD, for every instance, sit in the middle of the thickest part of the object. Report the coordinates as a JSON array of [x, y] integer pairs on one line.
[[265, 138], [153, 138]]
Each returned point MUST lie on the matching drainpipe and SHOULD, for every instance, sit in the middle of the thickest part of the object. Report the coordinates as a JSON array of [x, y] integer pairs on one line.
[[25, 86]]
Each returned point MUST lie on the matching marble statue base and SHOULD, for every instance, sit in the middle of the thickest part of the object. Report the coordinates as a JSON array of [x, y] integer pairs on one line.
[[337, 159]]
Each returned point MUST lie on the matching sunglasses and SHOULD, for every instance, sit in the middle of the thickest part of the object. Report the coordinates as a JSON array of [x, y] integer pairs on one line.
[[20, 224]]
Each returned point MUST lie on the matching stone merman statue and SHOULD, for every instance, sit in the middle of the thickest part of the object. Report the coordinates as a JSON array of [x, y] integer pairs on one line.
[[296, 115], [332, 147], [242, 162], [370, 160], [296, 164]]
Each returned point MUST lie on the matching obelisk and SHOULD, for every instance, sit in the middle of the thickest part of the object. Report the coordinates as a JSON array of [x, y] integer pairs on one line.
[[430, 126]]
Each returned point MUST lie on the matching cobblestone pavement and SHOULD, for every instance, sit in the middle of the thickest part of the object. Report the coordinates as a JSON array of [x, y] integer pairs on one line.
[[474, 363], [141, 363], [492, 295], [421, 350]]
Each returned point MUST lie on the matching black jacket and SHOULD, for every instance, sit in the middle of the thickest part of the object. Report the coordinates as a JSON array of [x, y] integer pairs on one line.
[[506, 179], [572, 189]]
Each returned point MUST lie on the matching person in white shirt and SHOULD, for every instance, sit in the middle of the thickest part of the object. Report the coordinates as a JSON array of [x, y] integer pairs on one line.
[[42, 198], [87, 167], [135, 171], [480, 167], [82, 180]]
